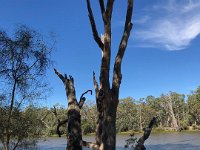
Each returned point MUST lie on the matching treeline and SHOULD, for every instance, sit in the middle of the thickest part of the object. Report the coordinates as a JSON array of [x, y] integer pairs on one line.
[[173, 111]]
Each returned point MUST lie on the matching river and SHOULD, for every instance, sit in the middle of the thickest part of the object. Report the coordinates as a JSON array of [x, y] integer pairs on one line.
[[156, 141]]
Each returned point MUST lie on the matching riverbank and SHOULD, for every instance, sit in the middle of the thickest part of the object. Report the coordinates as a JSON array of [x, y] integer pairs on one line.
[[158, 130], [155, 130]]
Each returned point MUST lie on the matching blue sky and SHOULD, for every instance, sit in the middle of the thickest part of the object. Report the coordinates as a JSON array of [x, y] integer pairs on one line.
[[162, 53]]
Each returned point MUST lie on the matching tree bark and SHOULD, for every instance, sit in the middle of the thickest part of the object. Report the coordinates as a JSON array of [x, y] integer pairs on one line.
[[107, 97], [10, 114], [74, 137]]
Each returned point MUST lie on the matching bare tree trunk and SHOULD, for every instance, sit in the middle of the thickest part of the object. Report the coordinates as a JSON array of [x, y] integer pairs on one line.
[[10, 115], [107, 97], [109, 126], [147, 132], [74, 137]]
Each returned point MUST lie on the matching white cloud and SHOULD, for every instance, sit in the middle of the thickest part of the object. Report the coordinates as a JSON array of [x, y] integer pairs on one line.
[[175, 28], [142, 20]]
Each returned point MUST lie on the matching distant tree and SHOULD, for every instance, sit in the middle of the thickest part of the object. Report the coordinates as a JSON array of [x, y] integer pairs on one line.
[[194, 105], [157, 108], [178, 107], [127, 118], [24, 58], [88, 117], [167, 101]]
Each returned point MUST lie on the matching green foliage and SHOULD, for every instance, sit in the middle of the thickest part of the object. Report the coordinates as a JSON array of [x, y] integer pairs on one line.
[[24, 127], [33, 122], [194, 105], [24, 58], [130, 115], [88, 115], [127, 115]]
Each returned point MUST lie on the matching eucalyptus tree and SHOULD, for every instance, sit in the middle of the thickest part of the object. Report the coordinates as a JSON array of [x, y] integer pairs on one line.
[[88, 117], [194, 104], [24, 58], [107, 95], [167, 102], [178, 107], [127, 118]]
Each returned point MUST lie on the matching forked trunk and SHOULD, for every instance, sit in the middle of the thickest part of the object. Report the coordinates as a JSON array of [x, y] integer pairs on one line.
[[74, 136], [107, 95]]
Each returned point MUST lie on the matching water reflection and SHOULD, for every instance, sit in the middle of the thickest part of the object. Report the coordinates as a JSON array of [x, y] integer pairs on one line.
[[164, 141]]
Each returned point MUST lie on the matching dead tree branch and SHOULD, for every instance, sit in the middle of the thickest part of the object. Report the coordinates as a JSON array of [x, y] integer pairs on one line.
[[147, 132], [60, 123], [117, 76], [93, 26], [82, 98]]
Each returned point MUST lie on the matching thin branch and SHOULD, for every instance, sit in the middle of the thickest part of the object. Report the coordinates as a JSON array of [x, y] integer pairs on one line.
[[60, 123], [85, 93], [28, 68], [23, 98], [82, 98], [147, 132], [16, 145], [93, 26]]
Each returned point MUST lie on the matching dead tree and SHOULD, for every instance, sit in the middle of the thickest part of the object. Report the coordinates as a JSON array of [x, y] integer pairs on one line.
[[74, 137], [147, 132], [73, 121], [107, 95]]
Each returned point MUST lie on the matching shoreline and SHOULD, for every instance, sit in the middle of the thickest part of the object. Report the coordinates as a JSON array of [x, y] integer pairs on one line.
[[154, 131]]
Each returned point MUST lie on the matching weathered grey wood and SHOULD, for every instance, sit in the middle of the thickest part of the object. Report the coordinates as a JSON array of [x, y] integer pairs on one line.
[[74, 137], [107, 97]]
